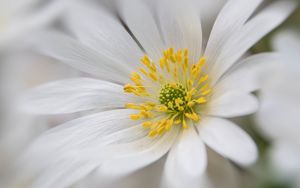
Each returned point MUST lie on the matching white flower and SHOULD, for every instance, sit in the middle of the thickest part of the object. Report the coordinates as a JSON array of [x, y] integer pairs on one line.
[[177, 98], [18, 18], [278, 116]]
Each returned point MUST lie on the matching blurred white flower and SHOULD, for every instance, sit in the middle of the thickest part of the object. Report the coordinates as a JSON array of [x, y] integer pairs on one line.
[[18, 18], [177, 99], [20, 71], [278, 116]]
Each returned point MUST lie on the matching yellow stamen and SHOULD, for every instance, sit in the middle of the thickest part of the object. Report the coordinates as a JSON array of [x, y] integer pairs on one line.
[[135, 116], [184, 124], [174, 89], [152, 76], [161, 108], [203, 79], [147, 124], [201, 100]]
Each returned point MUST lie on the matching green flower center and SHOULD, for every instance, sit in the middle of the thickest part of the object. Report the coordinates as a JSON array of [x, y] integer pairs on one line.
[[173, 96]]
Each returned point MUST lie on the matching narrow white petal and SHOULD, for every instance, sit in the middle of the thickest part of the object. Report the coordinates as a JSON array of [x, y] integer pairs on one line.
[[71, 52], [79, 146], [181, 26], [101, 31], [89, 131], [228, 22], [228, 140], [186, 162], [74, 95], [62, 175], [141, 23], [209, 11], [255, 29], [232, 104], [247, 75], [139, 154]]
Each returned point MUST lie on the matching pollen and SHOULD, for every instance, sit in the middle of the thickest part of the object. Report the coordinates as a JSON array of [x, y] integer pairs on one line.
[[174, 91]]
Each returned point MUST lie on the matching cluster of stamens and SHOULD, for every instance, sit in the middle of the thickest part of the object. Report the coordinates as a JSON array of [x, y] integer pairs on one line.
[[182, 92]]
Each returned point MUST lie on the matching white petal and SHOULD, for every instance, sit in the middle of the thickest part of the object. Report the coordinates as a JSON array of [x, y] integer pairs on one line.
[[14, 8], [208, 13], [247, 75], [229, 140], [141, 23], [288, 42], [255, 29], [17, 27], [228, 22], [285, 158], [181, 26], [147, 178], [139, 154], [71, 52], [62, 175], [74, 95], [221, 173], [79, 146], [278, 115], [90, 131], [232, 104], [102, 32], [186, 161]]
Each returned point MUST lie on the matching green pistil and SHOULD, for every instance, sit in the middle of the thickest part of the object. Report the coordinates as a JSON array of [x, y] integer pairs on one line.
[[169, 93]]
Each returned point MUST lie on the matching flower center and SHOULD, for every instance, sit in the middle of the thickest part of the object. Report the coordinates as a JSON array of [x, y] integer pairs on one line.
[[175, 91], [173, 96]]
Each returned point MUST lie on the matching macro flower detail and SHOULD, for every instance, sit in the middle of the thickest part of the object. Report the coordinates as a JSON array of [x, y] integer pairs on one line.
[[155, 86], [175, 92]]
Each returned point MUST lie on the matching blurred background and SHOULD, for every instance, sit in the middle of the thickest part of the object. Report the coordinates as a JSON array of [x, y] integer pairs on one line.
[[275, 127]]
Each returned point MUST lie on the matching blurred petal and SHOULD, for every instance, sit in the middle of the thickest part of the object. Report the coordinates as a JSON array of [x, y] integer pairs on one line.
[[285, 158], [19, 27], [221, 173], [287, 42]]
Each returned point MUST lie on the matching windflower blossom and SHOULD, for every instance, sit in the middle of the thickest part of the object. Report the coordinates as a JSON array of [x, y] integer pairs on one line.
[[160, 89], [278, 117]]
